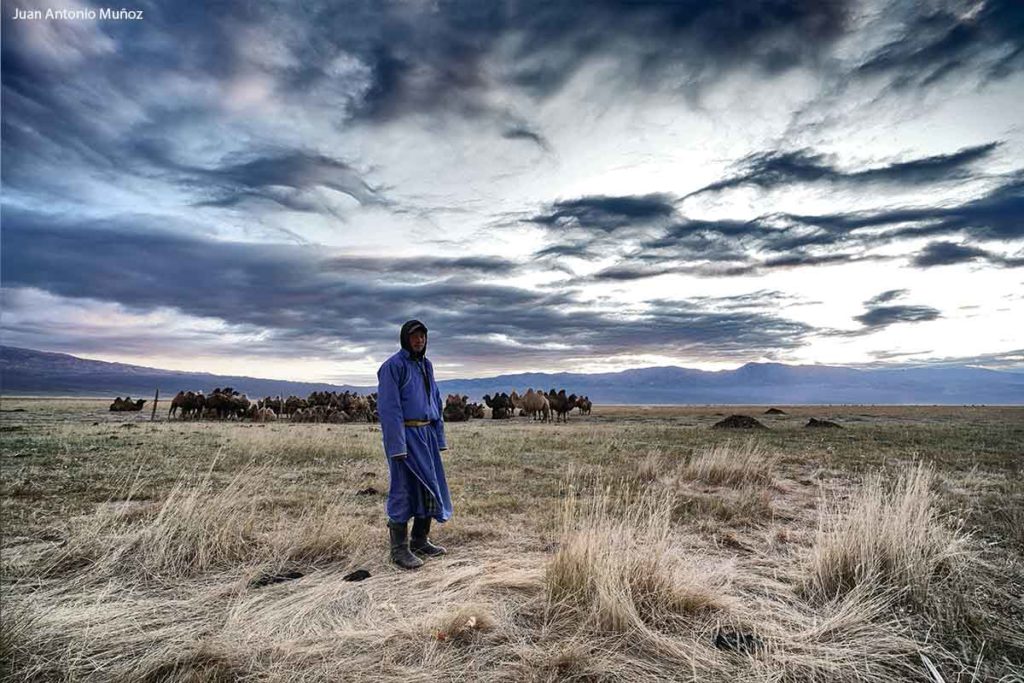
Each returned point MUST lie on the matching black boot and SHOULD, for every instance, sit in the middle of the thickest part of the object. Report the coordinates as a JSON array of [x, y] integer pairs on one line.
[[400, 554], [420, 543]]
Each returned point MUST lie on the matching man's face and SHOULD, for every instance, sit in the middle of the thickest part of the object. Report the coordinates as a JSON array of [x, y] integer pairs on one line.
[[418, 341]]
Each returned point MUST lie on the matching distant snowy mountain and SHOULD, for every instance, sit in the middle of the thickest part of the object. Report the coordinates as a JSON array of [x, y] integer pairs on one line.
[[24, 371]]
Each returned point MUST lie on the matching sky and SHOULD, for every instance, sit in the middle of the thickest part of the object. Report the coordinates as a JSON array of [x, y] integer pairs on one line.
[[271, 189]]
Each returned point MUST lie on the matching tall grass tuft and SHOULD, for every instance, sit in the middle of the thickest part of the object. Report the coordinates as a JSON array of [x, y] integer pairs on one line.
[[892, 537], [201, 527], [726, 464], [614, 568]]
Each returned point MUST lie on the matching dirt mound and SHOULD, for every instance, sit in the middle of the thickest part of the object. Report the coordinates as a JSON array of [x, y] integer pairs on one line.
[[774, 411], [738, 422], [821, 424]]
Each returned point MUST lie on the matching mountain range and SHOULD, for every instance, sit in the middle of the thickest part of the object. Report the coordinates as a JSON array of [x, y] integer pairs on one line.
[[30, 372]]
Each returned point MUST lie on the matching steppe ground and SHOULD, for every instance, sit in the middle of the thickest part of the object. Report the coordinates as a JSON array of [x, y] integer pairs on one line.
[[633, 544]]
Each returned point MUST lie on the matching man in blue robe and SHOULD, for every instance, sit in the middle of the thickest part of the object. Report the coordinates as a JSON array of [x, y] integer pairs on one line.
[[409, 404]]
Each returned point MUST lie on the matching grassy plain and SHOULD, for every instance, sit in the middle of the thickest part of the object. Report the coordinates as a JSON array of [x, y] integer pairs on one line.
[[633, 544]]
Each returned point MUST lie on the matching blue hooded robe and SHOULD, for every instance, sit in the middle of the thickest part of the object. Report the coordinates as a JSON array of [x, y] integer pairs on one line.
[[406, 390]]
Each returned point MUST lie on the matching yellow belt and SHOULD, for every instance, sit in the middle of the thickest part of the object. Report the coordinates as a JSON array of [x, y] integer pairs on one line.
[[417, 423]]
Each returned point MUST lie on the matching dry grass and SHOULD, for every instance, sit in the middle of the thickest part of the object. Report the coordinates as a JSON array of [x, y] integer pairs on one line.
[[650, 467], [892, 537], [726, 464], [549, 577], [617, 571], [202, 527]]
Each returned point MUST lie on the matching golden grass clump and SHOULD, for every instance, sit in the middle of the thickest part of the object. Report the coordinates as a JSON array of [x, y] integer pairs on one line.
[[199, 528], [726, 464], [892, 537], [464, 623], [652, 465], [616, 570]]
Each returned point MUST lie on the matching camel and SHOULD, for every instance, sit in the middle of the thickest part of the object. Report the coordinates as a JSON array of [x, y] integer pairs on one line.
[[274, 404], [190, 403], [536, 404], [265, 415], [584, 404], [500, 405], [358, 407], [561, 404], [455, 408], [126, 404], [177, 402]]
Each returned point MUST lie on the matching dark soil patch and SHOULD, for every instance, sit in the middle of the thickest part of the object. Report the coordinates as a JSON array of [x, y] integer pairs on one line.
[[821, 424], [270, 579], [738, 422], [357, 575], [774, 411], [368, 491], [736, 641]]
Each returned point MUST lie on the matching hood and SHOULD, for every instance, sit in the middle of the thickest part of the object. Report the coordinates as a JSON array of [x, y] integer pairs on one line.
[[407, 329]]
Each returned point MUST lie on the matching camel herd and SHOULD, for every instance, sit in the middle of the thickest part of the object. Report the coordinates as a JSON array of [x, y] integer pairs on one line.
[[319, 406], [336, 407], [126, 405], [553, 405]]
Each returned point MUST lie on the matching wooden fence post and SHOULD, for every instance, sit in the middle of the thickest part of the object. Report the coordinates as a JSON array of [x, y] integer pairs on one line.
[[152, 416]]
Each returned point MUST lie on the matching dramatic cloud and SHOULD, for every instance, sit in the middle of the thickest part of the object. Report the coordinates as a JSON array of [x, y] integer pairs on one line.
[[775, 169], [294, 171], [730, 247], [520, 133], [607, 214], [885, 297], [300, 295], [949, 253], [957, 39], [639, 182], [883, 316]]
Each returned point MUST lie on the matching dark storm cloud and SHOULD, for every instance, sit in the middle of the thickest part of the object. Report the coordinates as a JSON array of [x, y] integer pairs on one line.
[[427, 56], [301, 296], [690, 39], [886, 296], [607, 214], [522, 133], [423, 267], [994, 216], [936, 44], [400, 59], [294, 170], [750, 266], [577, 249], [949, 253], [79, 108], [279, 176], [757, 300], [622, 227], [769, 170], [73, 101], [878, 317]]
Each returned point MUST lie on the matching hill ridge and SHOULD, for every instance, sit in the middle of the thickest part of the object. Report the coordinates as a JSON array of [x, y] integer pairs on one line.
[[28, 371]]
